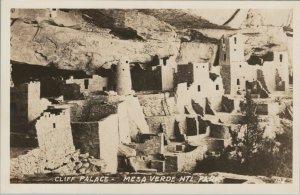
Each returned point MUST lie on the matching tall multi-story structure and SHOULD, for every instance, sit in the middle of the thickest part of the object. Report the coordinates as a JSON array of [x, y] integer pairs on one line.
[[235, 71]]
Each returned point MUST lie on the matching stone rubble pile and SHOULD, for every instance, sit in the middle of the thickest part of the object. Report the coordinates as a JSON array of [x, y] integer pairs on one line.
[[34, 163]]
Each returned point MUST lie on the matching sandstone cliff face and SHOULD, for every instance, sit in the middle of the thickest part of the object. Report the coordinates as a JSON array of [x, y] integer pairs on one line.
[[196, 52], [89, 39], [36, 38]]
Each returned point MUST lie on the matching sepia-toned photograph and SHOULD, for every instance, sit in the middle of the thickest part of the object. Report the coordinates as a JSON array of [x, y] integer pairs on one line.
[[151, 96]]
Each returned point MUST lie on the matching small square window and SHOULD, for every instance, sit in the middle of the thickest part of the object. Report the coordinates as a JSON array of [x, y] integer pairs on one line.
[[86, 83], [217, 87], [280, 57], [54, 126], [199, 88], [179, 148]]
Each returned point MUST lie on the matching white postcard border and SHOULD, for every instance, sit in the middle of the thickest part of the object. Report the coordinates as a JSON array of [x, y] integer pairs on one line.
[[6, 187]]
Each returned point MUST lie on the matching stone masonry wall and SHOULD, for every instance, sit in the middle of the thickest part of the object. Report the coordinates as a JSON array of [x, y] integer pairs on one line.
[[155, 122], [26, 102], [109, 142], [100, 139], [36, 105], [55, 136], [123, 123], [225, 74], [184, 162], [136, 117], [157, 104], [188, 161], [96, 83]]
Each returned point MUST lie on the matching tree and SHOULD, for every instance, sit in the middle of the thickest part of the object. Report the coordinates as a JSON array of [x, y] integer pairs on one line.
[[253, 134], [247, 140], [253, 152]]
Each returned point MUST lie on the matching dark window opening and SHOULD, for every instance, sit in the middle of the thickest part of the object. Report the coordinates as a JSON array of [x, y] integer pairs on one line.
[[217, 87], [165, 61], [179, 148], [203, 66], [53, 125], [199, 88], [126, 61], [224, 57], [234, 40], [240, 66], [196, 66], [104, 88], [238, 81], [86, 83], [280, 57]]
